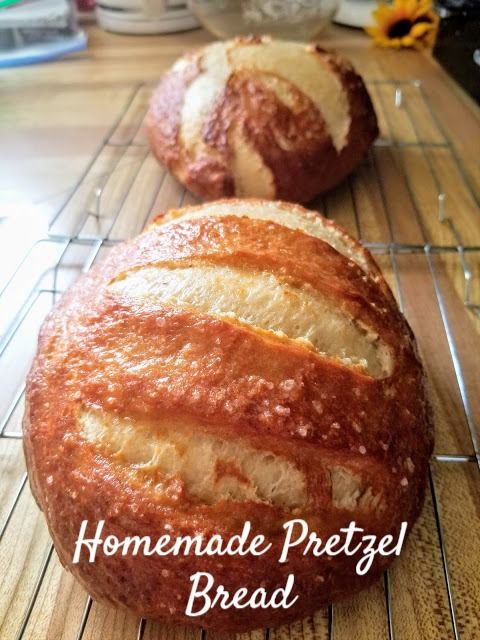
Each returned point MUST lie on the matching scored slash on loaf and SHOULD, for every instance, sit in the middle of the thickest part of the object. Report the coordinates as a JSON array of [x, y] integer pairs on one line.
[[240, 360], [260, 117]]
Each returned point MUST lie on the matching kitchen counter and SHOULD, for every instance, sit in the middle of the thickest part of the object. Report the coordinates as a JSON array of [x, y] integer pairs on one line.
[[72, 150]]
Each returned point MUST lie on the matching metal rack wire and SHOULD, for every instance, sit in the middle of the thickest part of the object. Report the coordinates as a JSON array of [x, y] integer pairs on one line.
[[86, 224]]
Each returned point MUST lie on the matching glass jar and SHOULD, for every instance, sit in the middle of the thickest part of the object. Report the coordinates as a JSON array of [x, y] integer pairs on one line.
[[287, 19]]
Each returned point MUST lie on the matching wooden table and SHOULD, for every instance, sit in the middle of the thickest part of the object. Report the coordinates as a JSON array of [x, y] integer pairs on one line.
[[56, 118]]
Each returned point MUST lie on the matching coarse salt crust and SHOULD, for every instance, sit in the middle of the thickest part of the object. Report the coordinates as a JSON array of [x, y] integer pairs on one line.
[[237, 361], [260, 117]]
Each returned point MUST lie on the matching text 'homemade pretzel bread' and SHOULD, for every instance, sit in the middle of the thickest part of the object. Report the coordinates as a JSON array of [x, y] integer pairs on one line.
[[239, 360], [259, 117]]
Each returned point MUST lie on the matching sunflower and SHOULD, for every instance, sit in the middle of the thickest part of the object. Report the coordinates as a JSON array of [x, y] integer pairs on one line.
[[404, 23]]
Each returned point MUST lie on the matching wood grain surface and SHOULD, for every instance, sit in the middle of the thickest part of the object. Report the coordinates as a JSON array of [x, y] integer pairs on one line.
[[73, 152]]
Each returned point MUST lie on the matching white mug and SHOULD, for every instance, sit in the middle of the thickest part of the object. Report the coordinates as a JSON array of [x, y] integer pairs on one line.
[[153, 8]]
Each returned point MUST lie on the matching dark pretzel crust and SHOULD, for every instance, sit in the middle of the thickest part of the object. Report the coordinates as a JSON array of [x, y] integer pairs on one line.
[[311, 164], [148, 361]]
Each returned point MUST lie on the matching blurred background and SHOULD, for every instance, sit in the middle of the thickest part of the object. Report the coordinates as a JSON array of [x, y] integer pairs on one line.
[[39, 30]]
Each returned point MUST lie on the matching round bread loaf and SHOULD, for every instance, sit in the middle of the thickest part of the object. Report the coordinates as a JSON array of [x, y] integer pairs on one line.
[[259, 117], [239, 360]]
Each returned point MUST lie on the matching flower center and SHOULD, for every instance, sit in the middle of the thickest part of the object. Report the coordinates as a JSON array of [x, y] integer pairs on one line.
[[400, 28]]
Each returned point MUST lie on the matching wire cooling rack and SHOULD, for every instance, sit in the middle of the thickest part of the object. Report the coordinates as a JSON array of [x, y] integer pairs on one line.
[[414, 205]]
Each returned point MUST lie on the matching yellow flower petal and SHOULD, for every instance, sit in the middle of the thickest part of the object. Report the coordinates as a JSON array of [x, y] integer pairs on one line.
[[382, 14], [372, 31], [419, 29], [424, 7], [394, 43], [402, 5], [406, 9], [412, 7]]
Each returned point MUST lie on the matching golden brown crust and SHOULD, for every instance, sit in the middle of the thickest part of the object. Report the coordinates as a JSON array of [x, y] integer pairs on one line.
[[288, 207], [106, 352], [291, 139]]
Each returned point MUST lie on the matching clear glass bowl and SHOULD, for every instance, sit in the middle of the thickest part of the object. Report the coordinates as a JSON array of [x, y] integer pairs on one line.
[[287, 19]]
